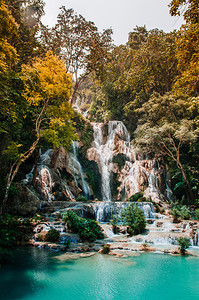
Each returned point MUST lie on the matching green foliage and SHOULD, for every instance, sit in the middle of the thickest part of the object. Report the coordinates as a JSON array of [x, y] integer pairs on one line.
[[134, 218], [135, 197], [138, 197], [52, 236], [168, 135], [184, 243], [105, 249], [67, 243], [180, 212], [88, 230], [81, 199], [196, 214], [12, 232], [120, 159], [78, 42], [84, 129], [146, 64], [114, 222]]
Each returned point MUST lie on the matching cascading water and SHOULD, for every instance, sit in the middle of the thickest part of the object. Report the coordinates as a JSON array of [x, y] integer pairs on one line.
[[46, 183], [44, 177], [105, 155], [135, 174], [106, 151], [104, 211], [78, 172]]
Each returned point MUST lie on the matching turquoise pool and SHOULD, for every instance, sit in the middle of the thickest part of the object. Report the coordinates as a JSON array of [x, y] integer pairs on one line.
[[36, 275]]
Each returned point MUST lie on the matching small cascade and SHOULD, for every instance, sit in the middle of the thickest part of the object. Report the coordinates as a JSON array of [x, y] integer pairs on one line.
[[168, 191], [68, 192], [46, 183], [78, 172], [196, 238], [44, 178], [152, 178], [45, 158], [104, 211]]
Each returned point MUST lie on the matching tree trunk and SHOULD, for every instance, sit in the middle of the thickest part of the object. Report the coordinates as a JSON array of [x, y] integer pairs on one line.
[[36, 167], [15, 167], [56, 158], [191, 195]]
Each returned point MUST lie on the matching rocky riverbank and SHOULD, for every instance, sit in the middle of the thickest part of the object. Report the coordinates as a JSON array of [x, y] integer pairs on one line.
[[161, 236]]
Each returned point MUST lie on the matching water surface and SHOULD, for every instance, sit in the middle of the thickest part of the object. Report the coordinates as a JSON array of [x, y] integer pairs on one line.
[[36, 275]]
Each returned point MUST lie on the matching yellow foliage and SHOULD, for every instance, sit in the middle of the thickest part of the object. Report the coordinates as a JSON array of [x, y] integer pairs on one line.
[[47, 79]]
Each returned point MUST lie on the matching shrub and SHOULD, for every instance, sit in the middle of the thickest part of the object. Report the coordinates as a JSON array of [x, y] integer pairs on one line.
[[142, 199], [134, 218], [114, 222], [88, 230], [12, 232], [197, 214], [179, 213], [184, 244], [52, 236], [81, 198], [135, 197], [185, 213], [175, 212], [145, 247], [105, 249]]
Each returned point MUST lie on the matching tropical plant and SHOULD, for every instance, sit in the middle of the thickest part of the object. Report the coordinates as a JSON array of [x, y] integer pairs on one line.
[[134, 218], [184, 243], [87, 229], [105, 249], [197, 214], [114, 223], [52, 235]]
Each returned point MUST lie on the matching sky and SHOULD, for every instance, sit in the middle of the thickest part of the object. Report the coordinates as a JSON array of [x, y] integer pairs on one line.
[[120, 15]]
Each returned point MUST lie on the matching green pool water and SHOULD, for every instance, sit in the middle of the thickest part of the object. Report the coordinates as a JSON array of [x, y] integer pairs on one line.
[[36, 275]]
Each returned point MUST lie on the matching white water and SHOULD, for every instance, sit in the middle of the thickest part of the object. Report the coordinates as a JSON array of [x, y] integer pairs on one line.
[[106, 151], [46, 183], [134, 174], [104, 211], [78, 172], [44, 177]]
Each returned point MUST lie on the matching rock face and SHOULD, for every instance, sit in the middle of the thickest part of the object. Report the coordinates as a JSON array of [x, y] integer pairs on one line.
[[26, 202], [111, 167], [120, 167]]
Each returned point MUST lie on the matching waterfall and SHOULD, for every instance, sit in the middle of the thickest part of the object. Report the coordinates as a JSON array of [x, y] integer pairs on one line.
[[44, 178], [78, 171], [46, 183], [106, 151], [105, 156], [104, 211], [68, 192]]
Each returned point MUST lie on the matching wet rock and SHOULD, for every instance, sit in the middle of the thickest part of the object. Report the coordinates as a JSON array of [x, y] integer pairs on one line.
[[26, 202]]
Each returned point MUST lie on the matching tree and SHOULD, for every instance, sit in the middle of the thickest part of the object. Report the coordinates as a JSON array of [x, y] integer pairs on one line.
[[78, 43], [146, 64], [184, 243], [188, 8], [47, 88], [187, 52], [165, 128], [134, 218], [8, 54], [27, 14]]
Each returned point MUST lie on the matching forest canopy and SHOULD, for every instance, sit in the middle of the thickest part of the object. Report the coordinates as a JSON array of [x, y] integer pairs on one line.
[[151, 84]]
